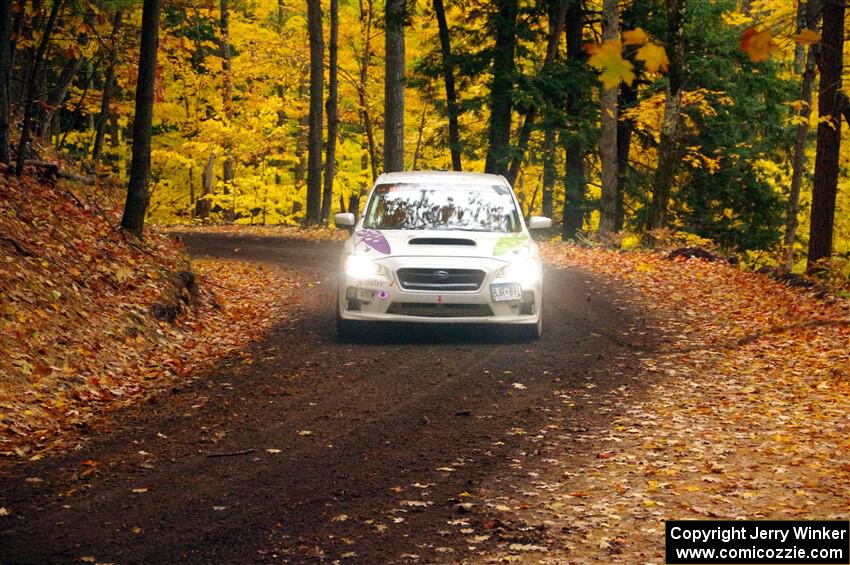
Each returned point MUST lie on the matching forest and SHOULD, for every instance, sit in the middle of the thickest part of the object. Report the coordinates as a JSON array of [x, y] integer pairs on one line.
[[714, 123], [174, 387]]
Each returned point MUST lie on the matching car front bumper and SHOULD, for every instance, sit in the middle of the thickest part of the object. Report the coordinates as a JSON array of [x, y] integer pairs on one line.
[[383, 298]]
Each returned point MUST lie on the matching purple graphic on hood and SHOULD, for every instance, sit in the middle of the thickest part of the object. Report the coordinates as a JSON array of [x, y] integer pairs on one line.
[[374, 239]]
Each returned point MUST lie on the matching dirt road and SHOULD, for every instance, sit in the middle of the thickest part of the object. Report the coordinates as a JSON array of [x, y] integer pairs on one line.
[[306, 449]]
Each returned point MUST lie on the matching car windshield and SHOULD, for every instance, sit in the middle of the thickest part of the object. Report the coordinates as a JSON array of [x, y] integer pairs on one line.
[[407, 206]]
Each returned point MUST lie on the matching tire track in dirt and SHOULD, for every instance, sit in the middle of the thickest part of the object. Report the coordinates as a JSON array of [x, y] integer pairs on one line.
[[382, 416]]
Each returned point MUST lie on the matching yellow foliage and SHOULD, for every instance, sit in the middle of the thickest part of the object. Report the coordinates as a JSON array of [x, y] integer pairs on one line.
[[807, 37], [635, 37], [654, 57], [607, 57]]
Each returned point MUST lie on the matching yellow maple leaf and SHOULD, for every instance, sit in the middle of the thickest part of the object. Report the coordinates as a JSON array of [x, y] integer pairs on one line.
[[653, 56], [608, 58], [758, 45], [635, 37], [807, 37]]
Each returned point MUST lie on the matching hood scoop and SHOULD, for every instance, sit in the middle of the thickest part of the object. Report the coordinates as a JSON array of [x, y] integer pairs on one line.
[[440, 241]]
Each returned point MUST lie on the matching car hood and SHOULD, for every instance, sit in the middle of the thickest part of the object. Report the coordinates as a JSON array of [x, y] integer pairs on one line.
[[444, 243]]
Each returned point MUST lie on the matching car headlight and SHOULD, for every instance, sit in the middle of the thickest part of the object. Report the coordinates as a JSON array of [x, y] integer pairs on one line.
[[359, 267], [527, 272]]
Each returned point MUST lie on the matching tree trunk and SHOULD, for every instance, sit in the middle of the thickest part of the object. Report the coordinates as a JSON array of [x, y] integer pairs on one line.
[[300, 168], [575, 183], [808, 15], [394, 86], [76, 113], [501, 88], [227, 95], [628, 98], [17, 26], [56, 96], [32, 85], [557, 13], [333, 114], [417, 150], [203, 205], [314, 135], [449, 79], [668, 148], [138, 196], [366, 15], [5, 72], [549, 173], [608, 131], [829, 135], [108, 89], [31, 49]]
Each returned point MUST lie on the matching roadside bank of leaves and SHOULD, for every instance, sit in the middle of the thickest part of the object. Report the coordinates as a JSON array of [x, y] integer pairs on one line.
[[747, 417], [78, 332], [276, 231]]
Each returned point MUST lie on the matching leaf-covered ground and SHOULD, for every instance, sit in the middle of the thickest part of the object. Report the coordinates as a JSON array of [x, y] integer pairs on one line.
[[290, 232], [748, 416], [78, 334]]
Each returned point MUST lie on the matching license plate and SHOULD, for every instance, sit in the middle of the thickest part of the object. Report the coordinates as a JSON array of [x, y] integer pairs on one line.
[[504, 292]]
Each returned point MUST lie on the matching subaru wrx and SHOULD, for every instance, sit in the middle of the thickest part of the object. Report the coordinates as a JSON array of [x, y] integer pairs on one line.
[[441, 247]]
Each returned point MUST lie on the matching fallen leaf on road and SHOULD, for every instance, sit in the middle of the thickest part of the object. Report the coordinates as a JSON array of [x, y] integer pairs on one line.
[[519, 386], [272, 451], [526, 547], [140, 490], [305, 433], [340, 518]]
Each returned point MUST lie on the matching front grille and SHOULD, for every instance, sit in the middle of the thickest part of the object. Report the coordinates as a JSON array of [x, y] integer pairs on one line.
[[439, 310], [441, 280], [440, 241]]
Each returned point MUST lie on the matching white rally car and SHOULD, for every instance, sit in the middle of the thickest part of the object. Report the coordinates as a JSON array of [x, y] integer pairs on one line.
[[441, 247]]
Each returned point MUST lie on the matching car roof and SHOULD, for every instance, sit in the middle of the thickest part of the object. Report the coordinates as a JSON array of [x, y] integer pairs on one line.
[[438, 177]]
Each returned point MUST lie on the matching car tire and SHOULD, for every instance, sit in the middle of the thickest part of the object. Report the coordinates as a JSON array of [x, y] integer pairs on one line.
[[345, 329], [531, 332], [348, 330]]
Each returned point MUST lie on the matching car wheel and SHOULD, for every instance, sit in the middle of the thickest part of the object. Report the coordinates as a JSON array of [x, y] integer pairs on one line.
[[347, 330], [531, 332]]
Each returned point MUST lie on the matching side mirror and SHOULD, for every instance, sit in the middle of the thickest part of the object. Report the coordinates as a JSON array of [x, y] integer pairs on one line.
[[539, 223], [346, 220]]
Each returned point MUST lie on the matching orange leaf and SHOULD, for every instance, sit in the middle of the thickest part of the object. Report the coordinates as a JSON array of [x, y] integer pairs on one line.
[[807, 37], [635, 37], [758, 45]]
